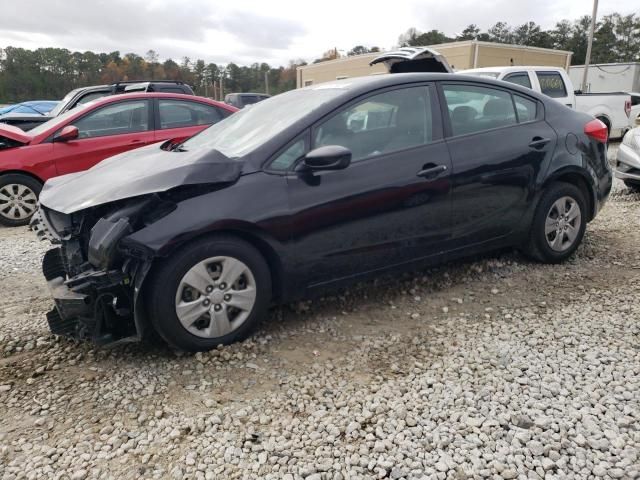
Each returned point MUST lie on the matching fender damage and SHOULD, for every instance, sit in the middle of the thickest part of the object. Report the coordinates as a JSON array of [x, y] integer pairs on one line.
[[95, 281]]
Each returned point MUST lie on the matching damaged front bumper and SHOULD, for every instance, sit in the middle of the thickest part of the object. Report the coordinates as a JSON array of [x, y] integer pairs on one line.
[[96, 299], [96, 305]]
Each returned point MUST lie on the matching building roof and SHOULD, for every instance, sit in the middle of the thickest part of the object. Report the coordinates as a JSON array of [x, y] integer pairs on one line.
[[441, 46]]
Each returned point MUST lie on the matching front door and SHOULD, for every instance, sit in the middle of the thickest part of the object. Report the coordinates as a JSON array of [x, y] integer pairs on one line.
[[391, 205], [104, 132], [498, 142]]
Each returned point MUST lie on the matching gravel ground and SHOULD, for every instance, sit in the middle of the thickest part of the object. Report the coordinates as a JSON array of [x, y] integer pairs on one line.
[[490, 368]]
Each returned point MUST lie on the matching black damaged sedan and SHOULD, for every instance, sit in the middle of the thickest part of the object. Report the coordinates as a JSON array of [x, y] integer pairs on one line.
[[308, 191]]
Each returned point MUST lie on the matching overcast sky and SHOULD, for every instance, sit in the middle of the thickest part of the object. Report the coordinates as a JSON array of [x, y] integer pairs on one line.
[[273, 31]]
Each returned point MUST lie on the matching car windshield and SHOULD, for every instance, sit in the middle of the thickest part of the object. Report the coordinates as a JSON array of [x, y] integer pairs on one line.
[[56, 121], [242, 132], [56, 111]]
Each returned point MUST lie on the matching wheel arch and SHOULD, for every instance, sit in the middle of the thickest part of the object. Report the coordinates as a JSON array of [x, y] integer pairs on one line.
[[581, 180], [22, 172], [251, 237]]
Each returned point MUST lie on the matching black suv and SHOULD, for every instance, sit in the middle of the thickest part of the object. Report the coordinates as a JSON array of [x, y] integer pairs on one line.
[[241, 100], [78, 96]]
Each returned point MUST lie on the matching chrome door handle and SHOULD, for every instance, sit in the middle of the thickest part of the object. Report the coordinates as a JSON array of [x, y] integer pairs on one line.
[[432, 172]]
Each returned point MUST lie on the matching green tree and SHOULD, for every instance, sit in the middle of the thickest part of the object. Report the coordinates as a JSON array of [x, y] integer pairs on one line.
[[470, 32], [500, 33]]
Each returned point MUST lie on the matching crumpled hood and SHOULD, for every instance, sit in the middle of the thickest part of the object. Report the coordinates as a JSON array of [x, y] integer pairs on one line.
[[14, 133], [138, 172]]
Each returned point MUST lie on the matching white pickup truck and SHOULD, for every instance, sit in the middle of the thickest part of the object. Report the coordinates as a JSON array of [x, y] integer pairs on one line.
[[612, 108]]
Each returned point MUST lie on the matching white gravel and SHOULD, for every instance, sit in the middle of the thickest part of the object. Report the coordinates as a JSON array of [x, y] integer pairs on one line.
[[493, 368]]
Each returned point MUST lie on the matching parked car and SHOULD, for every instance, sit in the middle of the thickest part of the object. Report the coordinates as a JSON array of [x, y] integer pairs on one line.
[[628, 158], [39, 107], [284, 200], [241, 100], [634, 116], [613, 109], [80, 96], [80, 138], [27, 115]]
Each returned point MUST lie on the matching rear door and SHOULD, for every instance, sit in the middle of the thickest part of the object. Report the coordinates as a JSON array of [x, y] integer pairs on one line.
[[498, 144], [104, 132], [391, 205], [178, 118]]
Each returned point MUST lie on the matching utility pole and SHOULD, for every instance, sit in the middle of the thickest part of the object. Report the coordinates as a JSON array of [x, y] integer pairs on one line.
[[266, 82], [583, 87]]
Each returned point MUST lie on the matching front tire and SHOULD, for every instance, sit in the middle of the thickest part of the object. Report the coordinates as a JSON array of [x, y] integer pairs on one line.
[[558, 224], [18, 199], [211, 292]]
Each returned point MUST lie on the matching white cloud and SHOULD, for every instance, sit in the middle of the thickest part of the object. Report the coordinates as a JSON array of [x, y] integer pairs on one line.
[[248, 31]]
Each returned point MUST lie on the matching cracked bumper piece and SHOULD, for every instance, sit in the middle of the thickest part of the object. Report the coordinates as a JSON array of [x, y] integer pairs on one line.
[[627, 163], [95, 305]]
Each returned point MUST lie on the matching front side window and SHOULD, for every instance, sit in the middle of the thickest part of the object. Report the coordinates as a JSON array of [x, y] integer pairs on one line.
[[246, 130], [183, 113], [551, 84], [519, 78], [90, 97], [384, 123], [475, 109], [115, 119], [288, 157]]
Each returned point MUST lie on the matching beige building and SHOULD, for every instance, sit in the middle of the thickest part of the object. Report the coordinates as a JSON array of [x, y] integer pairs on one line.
[[460, 55]]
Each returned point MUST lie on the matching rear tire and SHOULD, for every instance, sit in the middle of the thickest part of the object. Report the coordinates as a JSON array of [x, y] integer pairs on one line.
[[558, 224], [193, 281], [633, 185], [18, 199]]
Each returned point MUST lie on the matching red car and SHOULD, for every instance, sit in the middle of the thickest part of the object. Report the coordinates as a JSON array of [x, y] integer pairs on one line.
[[82, 137]]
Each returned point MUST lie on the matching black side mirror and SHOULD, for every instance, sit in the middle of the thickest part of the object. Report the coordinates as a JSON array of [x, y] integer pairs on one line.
[[330, 157]]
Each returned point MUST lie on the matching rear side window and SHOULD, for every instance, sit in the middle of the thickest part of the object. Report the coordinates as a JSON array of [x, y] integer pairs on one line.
[[527, 109], [182, 113], [170, 90], [551, 84], [475, 109], [519, 78]]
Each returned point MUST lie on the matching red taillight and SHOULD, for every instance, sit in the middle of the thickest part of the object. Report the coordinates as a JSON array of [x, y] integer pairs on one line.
[[597, 130], [627, 107]]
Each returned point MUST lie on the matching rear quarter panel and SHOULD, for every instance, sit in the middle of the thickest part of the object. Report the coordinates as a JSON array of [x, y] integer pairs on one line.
[[576, 153]]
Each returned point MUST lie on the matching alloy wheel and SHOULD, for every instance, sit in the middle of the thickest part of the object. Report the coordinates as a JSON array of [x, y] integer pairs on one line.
[[562, 224], [215, 297], [17, 202]]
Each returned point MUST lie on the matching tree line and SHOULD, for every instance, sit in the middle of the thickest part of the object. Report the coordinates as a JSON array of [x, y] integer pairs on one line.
[[49, 73], [616, 37]]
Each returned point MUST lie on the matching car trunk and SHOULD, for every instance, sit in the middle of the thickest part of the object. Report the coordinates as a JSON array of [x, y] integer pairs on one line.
[[413, 59]]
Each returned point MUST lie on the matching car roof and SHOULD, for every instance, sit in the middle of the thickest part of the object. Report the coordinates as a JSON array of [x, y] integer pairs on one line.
[[179, 96], [360, 85], [511, 68]]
